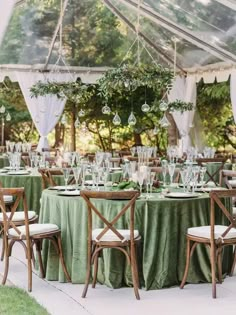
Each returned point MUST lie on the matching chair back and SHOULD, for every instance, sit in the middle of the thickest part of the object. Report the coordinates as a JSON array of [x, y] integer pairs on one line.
[[115, 161], [217, 201], [128, 196], [213, 176], [226, 178], [18, 195]]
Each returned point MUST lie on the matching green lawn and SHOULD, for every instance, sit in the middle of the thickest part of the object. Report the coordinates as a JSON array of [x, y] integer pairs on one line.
[[14, 301]]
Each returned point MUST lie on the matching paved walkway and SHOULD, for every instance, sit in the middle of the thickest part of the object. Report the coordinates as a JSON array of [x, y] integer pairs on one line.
[[62, 299]]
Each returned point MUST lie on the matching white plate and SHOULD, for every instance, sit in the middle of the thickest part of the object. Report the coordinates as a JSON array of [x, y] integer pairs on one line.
[[69, 187], [20, 172], [69, 193], [181, 195], [115, 169], [3, 170], [11, 168], [198, 185], [90, 182]]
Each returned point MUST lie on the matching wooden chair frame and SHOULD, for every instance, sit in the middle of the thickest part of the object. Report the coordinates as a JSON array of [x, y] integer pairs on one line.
[[216, 245], [158, 170], [224, 178], [202, 161], [27, 240], [127, 247], [47, 177]]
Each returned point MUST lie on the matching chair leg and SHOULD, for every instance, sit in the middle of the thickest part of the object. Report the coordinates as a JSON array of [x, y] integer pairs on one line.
[[213, 270], [95, 270], [38, 244], [234, 263], [134, 271], [3, 249], [88, 271], [219, 264], [188, 250], [6, 267], [62, 258]]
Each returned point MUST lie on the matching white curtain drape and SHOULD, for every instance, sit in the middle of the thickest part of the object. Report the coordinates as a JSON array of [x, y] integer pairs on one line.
[[6, 8], [45, 111], [184, 89], [233, 92]]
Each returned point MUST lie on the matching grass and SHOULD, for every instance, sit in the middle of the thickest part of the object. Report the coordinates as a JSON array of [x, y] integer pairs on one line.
[[16, 301]]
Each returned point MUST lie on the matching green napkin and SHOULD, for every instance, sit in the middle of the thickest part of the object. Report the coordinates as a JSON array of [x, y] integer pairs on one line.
[[127, 185]]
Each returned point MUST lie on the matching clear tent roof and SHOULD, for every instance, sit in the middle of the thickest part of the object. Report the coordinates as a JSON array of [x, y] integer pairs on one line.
[[205, 31]]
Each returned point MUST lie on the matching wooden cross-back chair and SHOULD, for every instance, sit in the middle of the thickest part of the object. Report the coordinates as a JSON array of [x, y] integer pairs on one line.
[[26, 234], [110, 236], [212, 177], [228, 178], [214, 236], [47, 177]]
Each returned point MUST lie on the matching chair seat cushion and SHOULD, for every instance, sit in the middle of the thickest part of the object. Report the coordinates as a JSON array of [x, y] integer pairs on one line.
[[232, 182], [234, 210], [7, 198], [205, 231], [19, 215], [34, 229], [110, 236]]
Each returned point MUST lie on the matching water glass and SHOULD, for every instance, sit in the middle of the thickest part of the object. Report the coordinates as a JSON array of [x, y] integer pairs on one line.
[[76, 173], [164, 165], [171, 169], [66, 173]]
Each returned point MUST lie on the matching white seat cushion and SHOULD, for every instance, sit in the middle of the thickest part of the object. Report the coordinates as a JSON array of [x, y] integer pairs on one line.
[[7, 198], [19, 215], [204, 231], [110, 236], [34, 229], [232, 182]]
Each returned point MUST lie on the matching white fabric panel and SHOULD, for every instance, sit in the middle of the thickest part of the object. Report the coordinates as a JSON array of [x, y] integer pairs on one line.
[[45, 111], [184, 89], [233, 92], [6, 8]]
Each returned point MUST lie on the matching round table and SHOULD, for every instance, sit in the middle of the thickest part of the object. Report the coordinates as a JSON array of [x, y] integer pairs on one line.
[[162, 223]]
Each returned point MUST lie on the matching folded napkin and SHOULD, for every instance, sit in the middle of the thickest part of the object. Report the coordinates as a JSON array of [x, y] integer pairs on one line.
[[127, 185]]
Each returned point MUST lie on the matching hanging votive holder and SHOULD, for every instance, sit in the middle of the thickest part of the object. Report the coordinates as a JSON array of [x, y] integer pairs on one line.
[[116, 119], [77, 123], [132, 120], [145, 108], [164, 122], [81, 113], [163, 106], [155, 131], [63, 119], [106, 110]]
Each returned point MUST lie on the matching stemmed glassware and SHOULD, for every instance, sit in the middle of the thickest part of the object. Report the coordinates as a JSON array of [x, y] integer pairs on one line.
[[195, 174], [202, 175], [76, 173], [171, 169], [184, 174], [164, 165], [149, 182], [66, 173], [140, 180]]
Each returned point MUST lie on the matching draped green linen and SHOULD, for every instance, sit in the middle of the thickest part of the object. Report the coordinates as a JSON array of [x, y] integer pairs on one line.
[[162, 224], [4, 161], [33, 186]]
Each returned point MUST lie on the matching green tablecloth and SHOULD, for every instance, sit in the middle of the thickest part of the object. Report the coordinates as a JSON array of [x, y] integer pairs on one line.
[[4, 161], [162, 224], [33, 186]]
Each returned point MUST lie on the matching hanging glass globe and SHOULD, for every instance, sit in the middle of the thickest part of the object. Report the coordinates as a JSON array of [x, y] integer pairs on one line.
[[106, 110], [163, 106], [8, 117], [77, 123], [132, 120], [182, 133], [63, 119], [155, 131], [2, 109], [145, 107], [164, 122], [81, 113], [116, 119], [84, 128]]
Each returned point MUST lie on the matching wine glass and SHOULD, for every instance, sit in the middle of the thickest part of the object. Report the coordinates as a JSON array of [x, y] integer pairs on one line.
[[76, 173], [183, 174], [66, 173], [164, 165], [202, 175], [171, 169], [140, 180], [195, 174]]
